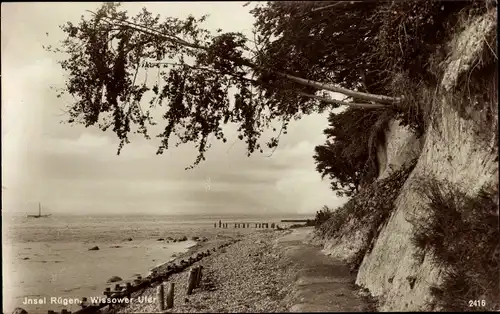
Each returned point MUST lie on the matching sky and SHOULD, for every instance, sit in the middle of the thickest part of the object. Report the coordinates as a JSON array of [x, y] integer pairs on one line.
[[75, 170]]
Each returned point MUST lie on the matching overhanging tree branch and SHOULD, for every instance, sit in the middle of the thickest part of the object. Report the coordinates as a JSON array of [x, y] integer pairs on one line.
[[386, 100], [323, 99], [342, 103]]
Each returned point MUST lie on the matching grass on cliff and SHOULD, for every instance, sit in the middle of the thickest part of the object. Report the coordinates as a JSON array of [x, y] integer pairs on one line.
[[462, 234], [367, 210]]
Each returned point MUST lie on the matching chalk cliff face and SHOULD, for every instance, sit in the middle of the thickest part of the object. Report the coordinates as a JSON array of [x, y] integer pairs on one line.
[[451, 151], [402, 146]]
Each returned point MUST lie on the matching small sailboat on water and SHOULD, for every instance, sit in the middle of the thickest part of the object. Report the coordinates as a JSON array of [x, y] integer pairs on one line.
[[39, 213]]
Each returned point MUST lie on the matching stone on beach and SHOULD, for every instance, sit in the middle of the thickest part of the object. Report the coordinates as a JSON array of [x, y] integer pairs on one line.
[[94, 248], [114, 279], [19, 310]]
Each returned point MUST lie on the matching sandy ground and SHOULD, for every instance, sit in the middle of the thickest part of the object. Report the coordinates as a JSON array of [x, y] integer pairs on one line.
[[266, 271]]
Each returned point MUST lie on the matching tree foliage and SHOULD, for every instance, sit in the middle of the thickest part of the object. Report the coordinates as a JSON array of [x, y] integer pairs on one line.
[[334, 45], [202, 80], [347, 156]]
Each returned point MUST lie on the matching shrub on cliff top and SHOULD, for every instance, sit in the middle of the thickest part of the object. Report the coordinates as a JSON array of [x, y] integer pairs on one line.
[[322, 215], [462, 234]]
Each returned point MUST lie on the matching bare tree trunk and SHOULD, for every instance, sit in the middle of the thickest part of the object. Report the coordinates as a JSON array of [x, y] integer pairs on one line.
[[365, 96], [342, 103]]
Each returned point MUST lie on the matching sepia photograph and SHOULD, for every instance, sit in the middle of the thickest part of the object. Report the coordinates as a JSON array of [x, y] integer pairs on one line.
[[250, 157]]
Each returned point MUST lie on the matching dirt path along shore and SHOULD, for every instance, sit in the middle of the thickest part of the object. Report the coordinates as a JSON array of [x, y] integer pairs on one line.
[[322, 284]]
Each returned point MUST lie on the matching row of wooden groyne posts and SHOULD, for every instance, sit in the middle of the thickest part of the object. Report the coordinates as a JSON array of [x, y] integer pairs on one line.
[[164, 303], [261, 225]]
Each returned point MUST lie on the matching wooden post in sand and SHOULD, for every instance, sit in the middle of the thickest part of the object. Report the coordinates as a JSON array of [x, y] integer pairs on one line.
[[220, 223], [128, 288], [160, 297], [198, 278], [235, 225], [191, 280], [215, 225], [243, 225], [84, 302], [170, 295]]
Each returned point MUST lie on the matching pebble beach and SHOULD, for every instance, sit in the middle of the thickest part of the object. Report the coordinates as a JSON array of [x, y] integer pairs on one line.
[[249, 275]]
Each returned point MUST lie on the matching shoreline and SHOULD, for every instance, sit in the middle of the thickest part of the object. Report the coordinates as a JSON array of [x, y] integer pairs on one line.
[[246, 276], [257, 271], [203, 240]]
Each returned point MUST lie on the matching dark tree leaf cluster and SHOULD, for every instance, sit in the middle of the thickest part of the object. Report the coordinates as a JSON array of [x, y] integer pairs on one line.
[[345, 157], [334, 45]]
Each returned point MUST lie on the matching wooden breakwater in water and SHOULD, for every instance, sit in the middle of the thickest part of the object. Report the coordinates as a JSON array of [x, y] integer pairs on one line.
[[257, 225], [139, 283]]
